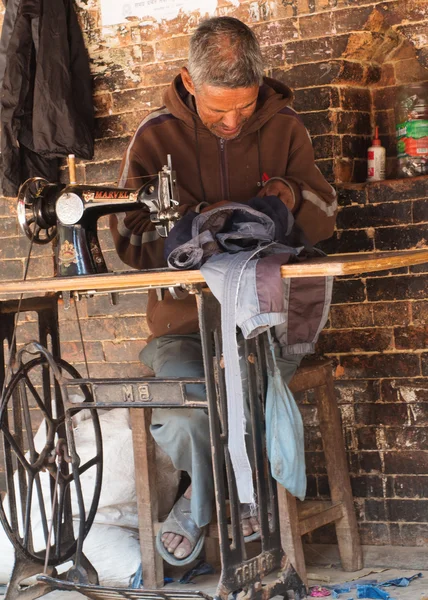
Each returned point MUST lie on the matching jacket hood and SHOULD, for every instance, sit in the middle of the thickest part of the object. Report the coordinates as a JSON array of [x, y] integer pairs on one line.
[[273, 97]]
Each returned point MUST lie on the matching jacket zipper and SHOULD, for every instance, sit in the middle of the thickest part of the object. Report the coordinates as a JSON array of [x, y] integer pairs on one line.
[[224, 174]]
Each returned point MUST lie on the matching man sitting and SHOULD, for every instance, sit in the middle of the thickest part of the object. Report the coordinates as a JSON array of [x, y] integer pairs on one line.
[[232, 136]]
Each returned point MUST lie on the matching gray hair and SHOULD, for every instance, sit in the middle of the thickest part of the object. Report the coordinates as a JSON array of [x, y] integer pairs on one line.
[[225, 52]]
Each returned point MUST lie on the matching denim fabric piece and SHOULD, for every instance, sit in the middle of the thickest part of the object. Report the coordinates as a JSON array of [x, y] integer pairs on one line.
[[401, 581], [371, 591]]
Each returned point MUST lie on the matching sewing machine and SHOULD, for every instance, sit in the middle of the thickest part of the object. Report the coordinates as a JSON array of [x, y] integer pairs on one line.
[[67, 215]]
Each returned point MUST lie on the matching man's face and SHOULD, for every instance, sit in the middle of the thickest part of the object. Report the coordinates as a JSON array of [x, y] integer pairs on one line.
[[223, 110]]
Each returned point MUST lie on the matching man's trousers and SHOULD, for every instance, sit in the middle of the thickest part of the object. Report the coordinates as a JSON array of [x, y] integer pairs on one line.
[[183, 433]]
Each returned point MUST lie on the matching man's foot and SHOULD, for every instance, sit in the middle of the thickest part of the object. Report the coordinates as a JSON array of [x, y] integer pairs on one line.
[[178, 545], [250, 524], [180, 540]]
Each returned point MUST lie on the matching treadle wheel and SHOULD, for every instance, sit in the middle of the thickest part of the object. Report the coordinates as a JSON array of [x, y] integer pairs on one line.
[[33, 403], [31, 211]]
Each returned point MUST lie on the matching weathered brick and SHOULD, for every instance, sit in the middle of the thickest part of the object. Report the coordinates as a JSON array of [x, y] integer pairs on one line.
[[351, 315], [140, 99], [324, 73], [367, 438], [352, 19], [410, 486], [304, 51], [73, 351], [404, 390], [316, 99], [355, 146], [351, 194], [105, 172], [420, 211], [315, 462], [420, 312], [348, 290], [131, 328], [384, 98], [411, 338], [409, 71], [318, 25], [353, 122], [172, 48], [357, 240], [375, 510], [313, 441], [355, 340], [128, 304], [412, 462], [407, 438], [397, 190], [352, 98], [379, 215], [110, 148], [276, 32], [41, 267], [379, 365], [401, 238], [326, 146], [363, 390], [115, 80], [391, 313], [380, 414], [369, 462], [9, 228], [274, 55], [118, 125], [15, 247], [120, 370], [311, 486], [103, 104], [367, 486], [400, 288], [407, 510], [413, 534], [318, 123], [376, 534], [160, 73], [421, 268], [327, 169], [414, 32], [323, 487], [424, 363]]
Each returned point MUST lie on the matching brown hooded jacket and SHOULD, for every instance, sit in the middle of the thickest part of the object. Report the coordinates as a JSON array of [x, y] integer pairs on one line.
[[273, 142]]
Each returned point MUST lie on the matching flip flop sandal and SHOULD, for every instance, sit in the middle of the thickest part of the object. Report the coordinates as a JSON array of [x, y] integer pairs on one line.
[[246, 514], [180, 522]]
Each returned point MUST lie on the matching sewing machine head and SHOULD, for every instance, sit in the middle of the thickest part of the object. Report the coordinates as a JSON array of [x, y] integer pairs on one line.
[[67, 216]]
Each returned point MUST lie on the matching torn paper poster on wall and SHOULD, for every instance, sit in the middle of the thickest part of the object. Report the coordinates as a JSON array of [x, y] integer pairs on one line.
[[119, 11]]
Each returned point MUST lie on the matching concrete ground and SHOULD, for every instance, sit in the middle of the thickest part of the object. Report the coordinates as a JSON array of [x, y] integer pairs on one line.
[[318, 576]]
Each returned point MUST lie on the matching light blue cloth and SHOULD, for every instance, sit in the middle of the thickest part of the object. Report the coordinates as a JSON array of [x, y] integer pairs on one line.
[[284, 432]]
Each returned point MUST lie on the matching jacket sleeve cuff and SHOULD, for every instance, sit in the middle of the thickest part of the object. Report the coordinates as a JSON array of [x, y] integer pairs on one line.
[[294, 189]]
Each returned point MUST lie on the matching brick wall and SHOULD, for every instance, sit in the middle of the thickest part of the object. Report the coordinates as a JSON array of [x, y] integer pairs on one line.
[[344, 60]]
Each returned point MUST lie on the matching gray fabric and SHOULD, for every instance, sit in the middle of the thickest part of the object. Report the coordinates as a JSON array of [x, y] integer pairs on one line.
[[184, 433]]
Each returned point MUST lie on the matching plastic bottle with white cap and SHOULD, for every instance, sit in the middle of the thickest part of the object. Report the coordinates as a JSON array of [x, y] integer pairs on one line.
[[376, 159]]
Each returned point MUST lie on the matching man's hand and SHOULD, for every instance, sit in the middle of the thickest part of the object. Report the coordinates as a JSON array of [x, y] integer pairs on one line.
[[280, 189]]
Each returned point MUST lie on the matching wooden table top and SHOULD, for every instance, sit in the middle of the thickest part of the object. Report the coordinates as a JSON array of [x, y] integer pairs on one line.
[[338, 264]]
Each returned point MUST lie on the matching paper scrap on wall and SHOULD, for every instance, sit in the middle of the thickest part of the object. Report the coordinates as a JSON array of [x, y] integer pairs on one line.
[[119, 11]]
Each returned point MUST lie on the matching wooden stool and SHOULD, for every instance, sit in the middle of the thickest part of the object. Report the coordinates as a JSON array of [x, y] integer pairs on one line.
[[296, 521]]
